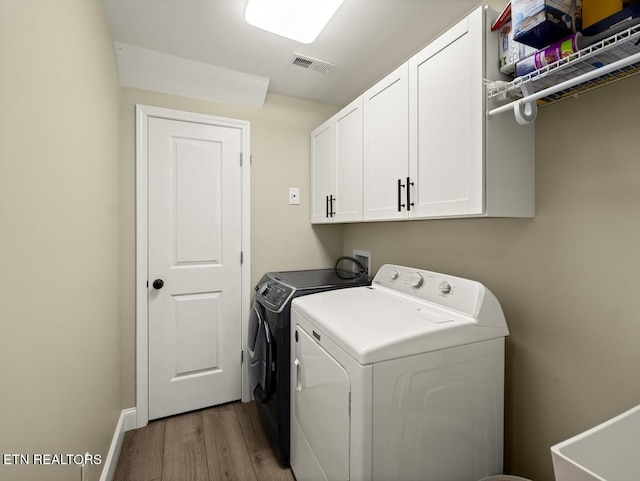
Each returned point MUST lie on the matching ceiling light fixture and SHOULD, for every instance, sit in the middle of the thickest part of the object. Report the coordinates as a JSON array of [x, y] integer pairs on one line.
[[299, 20]]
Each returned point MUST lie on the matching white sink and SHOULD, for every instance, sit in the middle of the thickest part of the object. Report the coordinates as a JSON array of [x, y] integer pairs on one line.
[[607, 452]]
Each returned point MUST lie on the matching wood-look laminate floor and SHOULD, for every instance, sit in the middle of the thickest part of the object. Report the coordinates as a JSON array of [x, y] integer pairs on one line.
[[222, 443]]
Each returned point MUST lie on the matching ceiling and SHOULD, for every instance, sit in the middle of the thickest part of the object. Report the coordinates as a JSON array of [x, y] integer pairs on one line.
[[364, 40]]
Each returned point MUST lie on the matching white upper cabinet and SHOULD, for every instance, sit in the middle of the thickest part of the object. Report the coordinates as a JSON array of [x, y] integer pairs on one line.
[[446, 122], [462, 164], [386, 146], [348, 140], [322, 171], [336, 167], [429, 151]]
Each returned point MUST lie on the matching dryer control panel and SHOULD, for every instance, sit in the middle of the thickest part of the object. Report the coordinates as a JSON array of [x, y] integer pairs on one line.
[[447, 291]]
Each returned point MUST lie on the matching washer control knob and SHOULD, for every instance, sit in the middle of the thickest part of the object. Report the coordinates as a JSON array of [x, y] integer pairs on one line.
[[417, 281], [445, 287], [393, 275], [263, 289]]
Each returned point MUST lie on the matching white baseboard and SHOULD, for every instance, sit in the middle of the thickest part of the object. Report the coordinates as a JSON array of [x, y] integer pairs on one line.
[[126, 422]]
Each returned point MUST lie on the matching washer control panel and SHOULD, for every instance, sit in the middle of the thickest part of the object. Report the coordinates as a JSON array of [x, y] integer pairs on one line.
[[273, 295]]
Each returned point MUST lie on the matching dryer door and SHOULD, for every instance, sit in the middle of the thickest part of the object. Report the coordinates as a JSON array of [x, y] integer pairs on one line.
[[322, 412], [260, 354]]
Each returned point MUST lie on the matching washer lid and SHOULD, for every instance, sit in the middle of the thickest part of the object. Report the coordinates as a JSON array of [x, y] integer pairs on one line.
[[374, 324], [315, 278]]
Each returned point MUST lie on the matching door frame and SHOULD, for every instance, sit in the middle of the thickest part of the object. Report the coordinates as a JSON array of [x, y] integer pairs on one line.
[[143, 113]]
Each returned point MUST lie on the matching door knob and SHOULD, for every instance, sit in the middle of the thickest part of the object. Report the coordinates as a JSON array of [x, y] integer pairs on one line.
[[158, 283]]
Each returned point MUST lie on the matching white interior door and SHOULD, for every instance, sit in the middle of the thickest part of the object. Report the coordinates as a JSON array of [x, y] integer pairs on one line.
[[194, 248]]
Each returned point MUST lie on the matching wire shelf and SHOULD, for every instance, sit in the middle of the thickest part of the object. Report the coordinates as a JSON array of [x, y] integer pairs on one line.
[[605, 52]]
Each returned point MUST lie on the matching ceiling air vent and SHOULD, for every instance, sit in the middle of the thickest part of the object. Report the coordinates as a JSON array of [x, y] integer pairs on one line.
[[311, 63]]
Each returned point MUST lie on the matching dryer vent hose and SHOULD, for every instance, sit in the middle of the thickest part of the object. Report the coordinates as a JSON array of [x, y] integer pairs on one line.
[[349, 273]]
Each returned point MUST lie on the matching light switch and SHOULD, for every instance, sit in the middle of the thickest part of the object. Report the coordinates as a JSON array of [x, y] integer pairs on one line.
[[294, 195]]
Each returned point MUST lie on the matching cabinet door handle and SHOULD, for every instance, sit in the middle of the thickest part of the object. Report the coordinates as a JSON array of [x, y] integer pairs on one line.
[[331, 211], [326, 207], [400, 187], [409, 185]]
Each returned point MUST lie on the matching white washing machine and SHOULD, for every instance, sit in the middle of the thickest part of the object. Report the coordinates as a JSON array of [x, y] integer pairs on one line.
[[403, 380]]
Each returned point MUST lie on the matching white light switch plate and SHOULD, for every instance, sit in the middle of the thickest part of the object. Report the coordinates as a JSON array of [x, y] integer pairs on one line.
[[294, 195]]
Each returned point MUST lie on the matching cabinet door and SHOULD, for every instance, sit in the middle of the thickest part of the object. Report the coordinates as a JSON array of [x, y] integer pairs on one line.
[[348, 146], [322, 172], [446, 122], [386, 146]]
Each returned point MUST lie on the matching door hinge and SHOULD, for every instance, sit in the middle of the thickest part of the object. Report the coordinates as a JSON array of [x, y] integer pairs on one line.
[[241, 357], [251, 160], [241, 158], [241, 257]]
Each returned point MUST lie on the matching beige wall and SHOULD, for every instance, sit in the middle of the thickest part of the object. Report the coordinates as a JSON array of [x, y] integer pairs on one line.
[[567, 279], [281, 235], [59, 218]]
